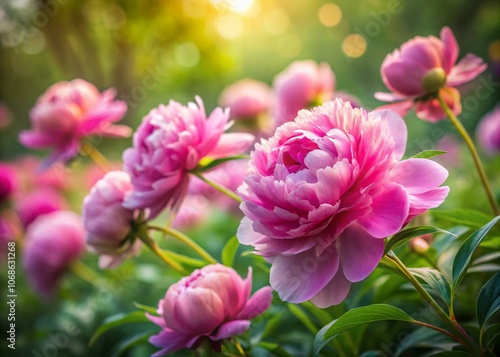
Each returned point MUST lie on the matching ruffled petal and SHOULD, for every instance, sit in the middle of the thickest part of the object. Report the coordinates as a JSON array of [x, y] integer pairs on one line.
[[419, 175], [334, 292], [230, 329], [466, 70], [257, 304]]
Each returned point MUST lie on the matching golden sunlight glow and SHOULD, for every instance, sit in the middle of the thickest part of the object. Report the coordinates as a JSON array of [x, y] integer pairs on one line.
[[354, 45], [330, 14], [229, 26], [239, 6]]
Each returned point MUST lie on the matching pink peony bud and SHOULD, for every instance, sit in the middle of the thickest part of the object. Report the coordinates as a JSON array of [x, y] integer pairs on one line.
[[53, 242], [488, 131], [422, 67], [8, 181], [213, 303], [37, 203], [68, 112], [169, 144], [301, 85], [106, 221], [246, 99], [324, 192]]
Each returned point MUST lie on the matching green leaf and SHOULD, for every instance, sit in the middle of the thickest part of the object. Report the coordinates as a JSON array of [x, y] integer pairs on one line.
[[488, 300], [436, 281], [229, 251], [213, 163], [409, 233], [484, 268], [272, 325], [118, 320], [486, 258], [464, 255], [274, 348], [150, 309], [184, 260], [452, 354], [490, 335], [302, 317], [357, 317], [135, 340], [465, 217], [426, 154], [493, 242]]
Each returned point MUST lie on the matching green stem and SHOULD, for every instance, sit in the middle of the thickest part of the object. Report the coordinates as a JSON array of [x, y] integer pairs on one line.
[[464, 338], [151, 244], [218, 187], [187, 241], [85, 273], [470, 145], [96, 156]]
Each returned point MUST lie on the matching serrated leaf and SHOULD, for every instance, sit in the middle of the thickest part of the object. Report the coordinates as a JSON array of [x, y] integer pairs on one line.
[[409, 233], [150, 309], [229, 251], [135, 340], [464, 255], [302, 317], [436, 281], [118, 320], [357, 317], [488, 300], [426, 154], [465, 217], [274, 348]]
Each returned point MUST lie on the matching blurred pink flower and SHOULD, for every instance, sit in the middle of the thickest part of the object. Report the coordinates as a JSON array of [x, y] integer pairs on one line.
[[213, 304], [106, 221], [422, 67], [5, 116], [169, 144], [38, 202], [246, 99], [57, 177], [7, 234], [8, 181], [53, 242], [301, 85], [488, 131], [324, 192], [451, 145], [68, 112]]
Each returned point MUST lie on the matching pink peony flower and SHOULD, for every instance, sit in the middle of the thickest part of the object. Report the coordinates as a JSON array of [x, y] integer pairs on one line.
[[106, 221], [68, 112], [488, 131], [37, 203], [451, 145], [325, 190], [213, 303], [246, 99], [169, 144], [53, 242], [421, 68], [302, 85], [8, 181]]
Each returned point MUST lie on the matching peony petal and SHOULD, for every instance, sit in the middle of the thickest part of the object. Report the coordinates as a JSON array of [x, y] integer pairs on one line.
[[359, 252], [169, 340], [405, 78], [389, 212], [450, 48], [396, 127], [334, 292], [466, 70], [389, 97], [402, 108], [419, 175], [230, 329], [231, 144], [299, 277], [257, 304], [246, 235]]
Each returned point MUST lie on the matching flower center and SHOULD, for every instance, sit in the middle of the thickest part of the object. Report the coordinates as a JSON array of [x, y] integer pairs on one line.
[[434, 80]]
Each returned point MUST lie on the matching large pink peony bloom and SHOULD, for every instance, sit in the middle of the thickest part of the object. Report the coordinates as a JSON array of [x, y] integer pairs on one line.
[[8, 181], [213, 303], [325, 190], [53, 242], [301, 85], [106, 221], [37, 203], [70, 111], [422, 67], [488, 131], [170, 143]]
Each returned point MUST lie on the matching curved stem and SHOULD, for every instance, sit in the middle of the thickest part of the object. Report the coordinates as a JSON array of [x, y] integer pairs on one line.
[[460, 333], [443, 331], [151, 244], [470, 145], [181, 237], [218, 187], [96, 156], [85, 273]]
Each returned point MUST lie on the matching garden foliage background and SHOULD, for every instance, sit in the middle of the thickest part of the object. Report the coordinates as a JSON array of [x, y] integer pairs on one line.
[[157, 50]]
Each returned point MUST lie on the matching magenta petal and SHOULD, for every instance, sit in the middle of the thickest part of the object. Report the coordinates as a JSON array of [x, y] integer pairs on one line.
[[419, 175], [158, 320], [257, 304], [334, 292], [359, 252], [231, 144], [230, 329], [405, 78], [36, 140], [450, 48], [298, 278], [466, 70], [169, 340], [116, 131], [389, 212], [402, 108]]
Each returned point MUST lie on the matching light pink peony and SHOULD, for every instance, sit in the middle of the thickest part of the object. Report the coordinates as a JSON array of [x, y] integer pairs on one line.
[[324, 192], [68, 112], [53, 242], [106, 221], [301, 85], [246, 99], [213, 304], [8, 181], [488, 131], [169, 144], [37, 203], [422, 67]]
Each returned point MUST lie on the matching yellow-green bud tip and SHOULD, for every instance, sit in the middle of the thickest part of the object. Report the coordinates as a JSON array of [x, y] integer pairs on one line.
[[434, 80]]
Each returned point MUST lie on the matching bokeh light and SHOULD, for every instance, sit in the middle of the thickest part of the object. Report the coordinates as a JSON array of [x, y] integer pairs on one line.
[[330, 14], [494, 50], [354, 45], [229, 26]]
